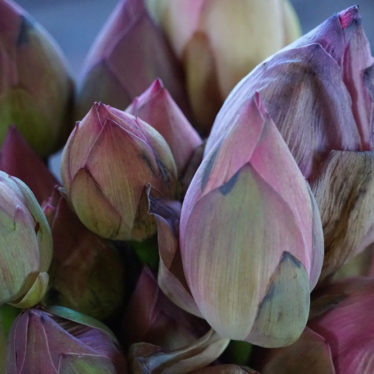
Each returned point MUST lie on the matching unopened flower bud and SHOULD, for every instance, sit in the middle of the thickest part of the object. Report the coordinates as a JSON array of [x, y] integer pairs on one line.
[[108, 161]]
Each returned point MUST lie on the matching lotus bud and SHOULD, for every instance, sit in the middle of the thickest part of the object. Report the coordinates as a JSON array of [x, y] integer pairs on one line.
[[151, 317], [26, 245], [21, 161], [267, 239], [127, 56], [147, 358], [36, 89], [108, 161], [344, 192], [339, 337], [318, 91], [215, 57], [86, 272], [62, 341], [156, 107]]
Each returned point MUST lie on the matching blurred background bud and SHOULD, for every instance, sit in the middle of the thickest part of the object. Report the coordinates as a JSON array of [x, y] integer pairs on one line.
[[36, 89], [128, 55], [86, 273], [156, 107], [215, 57], [62, 341], [107, 163], [26, 245]]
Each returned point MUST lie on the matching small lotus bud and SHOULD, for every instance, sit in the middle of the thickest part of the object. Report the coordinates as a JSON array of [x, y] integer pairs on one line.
[[128, 55], [26, 245], [36, 89], [108, 161], [156, 107], [62, 341]]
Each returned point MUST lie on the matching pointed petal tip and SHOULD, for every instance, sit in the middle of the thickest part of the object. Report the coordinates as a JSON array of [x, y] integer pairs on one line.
[[348, 16], [157, 85]]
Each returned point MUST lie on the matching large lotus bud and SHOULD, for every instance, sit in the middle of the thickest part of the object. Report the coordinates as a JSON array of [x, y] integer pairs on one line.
[[26, 245], [62, 341], [35, 89], [250, 237], [340, 334], [158, 108], [317, 91], [128, 55], [86, 272], [19, 160], [108, 161], [151, 317], [215, 57]]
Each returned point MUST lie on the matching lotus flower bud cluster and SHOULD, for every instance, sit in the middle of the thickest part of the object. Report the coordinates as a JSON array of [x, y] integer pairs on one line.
[[249, 234], [215, 57], [36, 89], [26, 245], [107, 163], [62, 341]]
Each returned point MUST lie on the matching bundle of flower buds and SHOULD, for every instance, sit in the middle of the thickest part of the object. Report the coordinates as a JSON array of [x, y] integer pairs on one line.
[[215, 213]]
